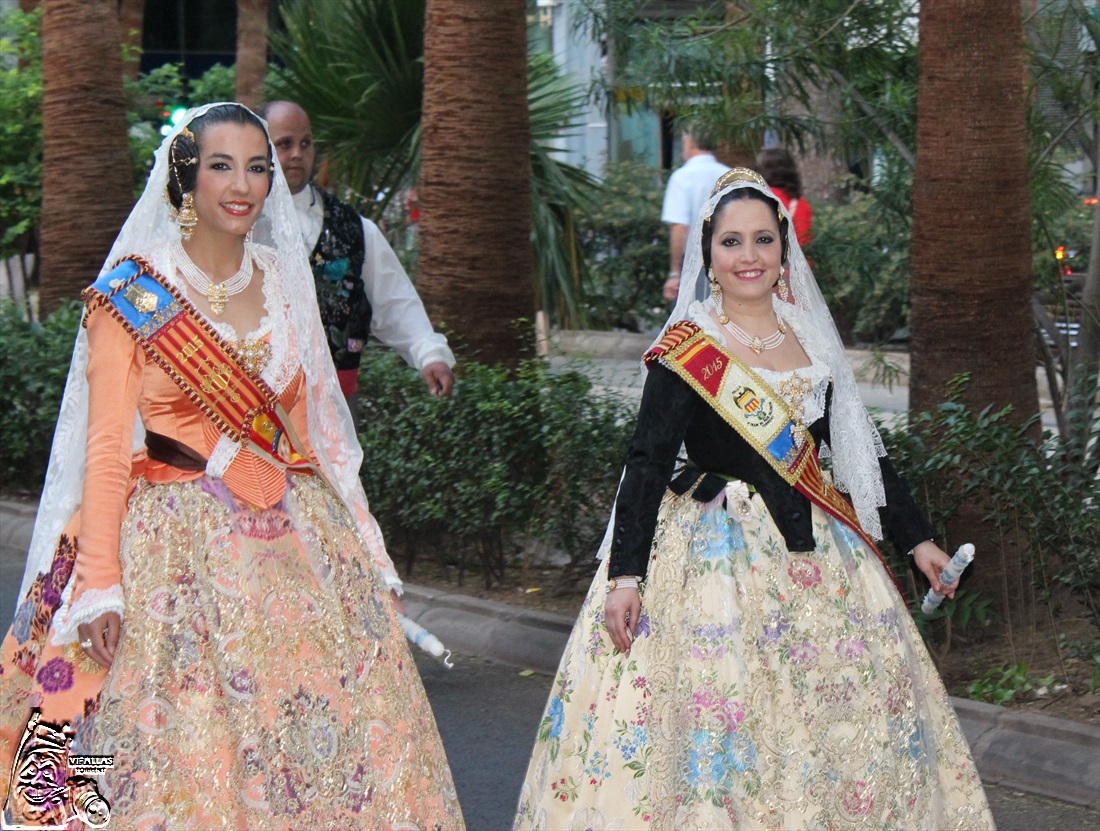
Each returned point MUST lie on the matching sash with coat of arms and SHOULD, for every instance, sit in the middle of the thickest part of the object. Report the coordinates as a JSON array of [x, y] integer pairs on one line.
[[175, 337], [757, 412]]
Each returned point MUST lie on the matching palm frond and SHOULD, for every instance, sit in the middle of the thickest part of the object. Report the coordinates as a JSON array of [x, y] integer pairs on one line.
[[358, 69]]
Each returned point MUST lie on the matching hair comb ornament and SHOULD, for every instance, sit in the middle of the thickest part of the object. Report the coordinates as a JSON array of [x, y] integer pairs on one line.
[[735, 175]]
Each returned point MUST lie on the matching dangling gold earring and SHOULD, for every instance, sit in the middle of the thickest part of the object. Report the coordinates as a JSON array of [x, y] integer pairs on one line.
[[781, 288], [186, 217], [716, 293]]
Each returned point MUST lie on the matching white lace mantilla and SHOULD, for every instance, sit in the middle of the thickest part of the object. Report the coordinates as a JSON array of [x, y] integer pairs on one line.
[[296, 339], [222, 456]]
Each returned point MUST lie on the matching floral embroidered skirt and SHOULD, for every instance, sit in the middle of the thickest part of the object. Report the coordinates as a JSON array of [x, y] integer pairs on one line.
[[261, 680], [763, 690]]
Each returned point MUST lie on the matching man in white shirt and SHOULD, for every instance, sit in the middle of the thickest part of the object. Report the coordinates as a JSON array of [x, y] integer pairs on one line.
[[688, 189], [361, 287]]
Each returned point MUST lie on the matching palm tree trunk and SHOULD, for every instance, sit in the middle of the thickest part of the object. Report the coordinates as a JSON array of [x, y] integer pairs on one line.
[[87, 186], [251, 50], [474, 269], [972, 281], [971, 251]]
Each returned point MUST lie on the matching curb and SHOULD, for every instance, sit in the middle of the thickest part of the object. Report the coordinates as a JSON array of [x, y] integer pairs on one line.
[[1051, 757], [1054, 758], [485, 628]]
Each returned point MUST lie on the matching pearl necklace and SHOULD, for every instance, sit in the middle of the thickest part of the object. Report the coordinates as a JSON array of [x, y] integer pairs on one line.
[[757, 344], [216, 294]]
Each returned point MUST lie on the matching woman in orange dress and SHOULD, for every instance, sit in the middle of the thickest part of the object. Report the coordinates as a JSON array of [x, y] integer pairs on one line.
[[208, 600]]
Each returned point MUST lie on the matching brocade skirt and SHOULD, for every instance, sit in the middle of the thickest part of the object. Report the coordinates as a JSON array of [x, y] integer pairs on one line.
[[261, 680], [764, 690]]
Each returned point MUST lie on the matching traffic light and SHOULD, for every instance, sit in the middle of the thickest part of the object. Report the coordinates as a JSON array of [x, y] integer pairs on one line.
[[173, 115]]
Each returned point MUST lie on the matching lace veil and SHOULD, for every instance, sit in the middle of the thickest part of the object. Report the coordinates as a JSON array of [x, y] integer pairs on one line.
[[297, 337]]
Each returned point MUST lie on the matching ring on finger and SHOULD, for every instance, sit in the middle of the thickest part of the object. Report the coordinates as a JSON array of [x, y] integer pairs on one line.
[[87, 644]]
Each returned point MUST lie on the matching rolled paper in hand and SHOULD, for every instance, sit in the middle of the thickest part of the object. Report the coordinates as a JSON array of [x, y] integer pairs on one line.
[[425, 640], [948, 577]]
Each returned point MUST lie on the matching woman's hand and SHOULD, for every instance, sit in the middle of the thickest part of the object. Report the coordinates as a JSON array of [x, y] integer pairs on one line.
[[932, 560], [99, 639], [621, 611], [397, 604]]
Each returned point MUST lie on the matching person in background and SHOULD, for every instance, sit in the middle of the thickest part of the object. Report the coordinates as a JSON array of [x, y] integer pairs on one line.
[[361, 287], [412, 227], [780, 171], [687, 190]]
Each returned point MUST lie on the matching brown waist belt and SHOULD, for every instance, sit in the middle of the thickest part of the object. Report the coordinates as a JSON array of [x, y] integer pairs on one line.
[[167, 450]]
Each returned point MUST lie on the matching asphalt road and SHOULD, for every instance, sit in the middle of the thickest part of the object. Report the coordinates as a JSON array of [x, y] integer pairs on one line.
[[488, 713]]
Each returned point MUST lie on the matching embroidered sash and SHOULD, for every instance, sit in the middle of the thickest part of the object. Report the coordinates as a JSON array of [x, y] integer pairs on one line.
[[206, 367], [757, 412]]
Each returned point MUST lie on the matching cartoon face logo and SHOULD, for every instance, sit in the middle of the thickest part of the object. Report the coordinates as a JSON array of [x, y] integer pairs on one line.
[[42, 794], [39, 790]]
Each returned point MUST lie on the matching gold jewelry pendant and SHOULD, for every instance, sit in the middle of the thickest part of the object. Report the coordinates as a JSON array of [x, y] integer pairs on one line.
[[217, 296]]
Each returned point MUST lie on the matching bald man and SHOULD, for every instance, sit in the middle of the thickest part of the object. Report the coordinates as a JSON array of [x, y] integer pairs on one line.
[[361, 287]]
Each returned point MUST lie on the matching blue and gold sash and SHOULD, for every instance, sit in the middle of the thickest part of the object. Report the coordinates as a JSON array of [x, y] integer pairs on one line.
[[206, 367], [757, 412]]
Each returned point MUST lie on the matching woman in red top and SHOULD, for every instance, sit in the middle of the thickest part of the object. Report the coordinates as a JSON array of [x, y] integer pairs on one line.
[[780, 171]]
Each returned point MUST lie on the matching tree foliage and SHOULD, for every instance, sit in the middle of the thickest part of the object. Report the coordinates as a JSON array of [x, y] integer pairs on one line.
[[20, 126], [743, 67]]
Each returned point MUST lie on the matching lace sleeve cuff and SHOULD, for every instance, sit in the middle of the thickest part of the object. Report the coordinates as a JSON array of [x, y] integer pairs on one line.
[[392, 581], [90, 605]]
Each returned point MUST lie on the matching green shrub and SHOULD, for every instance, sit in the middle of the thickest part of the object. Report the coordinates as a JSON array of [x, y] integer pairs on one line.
[[34, 361], [510, 460], [953, 456], [860, 256], [626, 246], [999, 685]]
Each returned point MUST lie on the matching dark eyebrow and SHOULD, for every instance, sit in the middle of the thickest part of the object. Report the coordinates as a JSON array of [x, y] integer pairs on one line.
[[230, 158]]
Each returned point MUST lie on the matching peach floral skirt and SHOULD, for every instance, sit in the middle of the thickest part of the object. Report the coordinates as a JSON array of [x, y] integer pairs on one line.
[[262, 680], [763, 690]]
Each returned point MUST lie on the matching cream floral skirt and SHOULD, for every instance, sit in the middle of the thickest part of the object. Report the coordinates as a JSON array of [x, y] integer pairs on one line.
[[764, 690]]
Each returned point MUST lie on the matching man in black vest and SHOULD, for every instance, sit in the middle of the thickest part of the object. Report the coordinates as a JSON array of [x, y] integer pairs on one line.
[[361, 287]]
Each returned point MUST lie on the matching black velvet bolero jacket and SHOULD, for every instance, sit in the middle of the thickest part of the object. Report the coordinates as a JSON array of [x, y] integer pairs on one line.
[[671, 414]]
